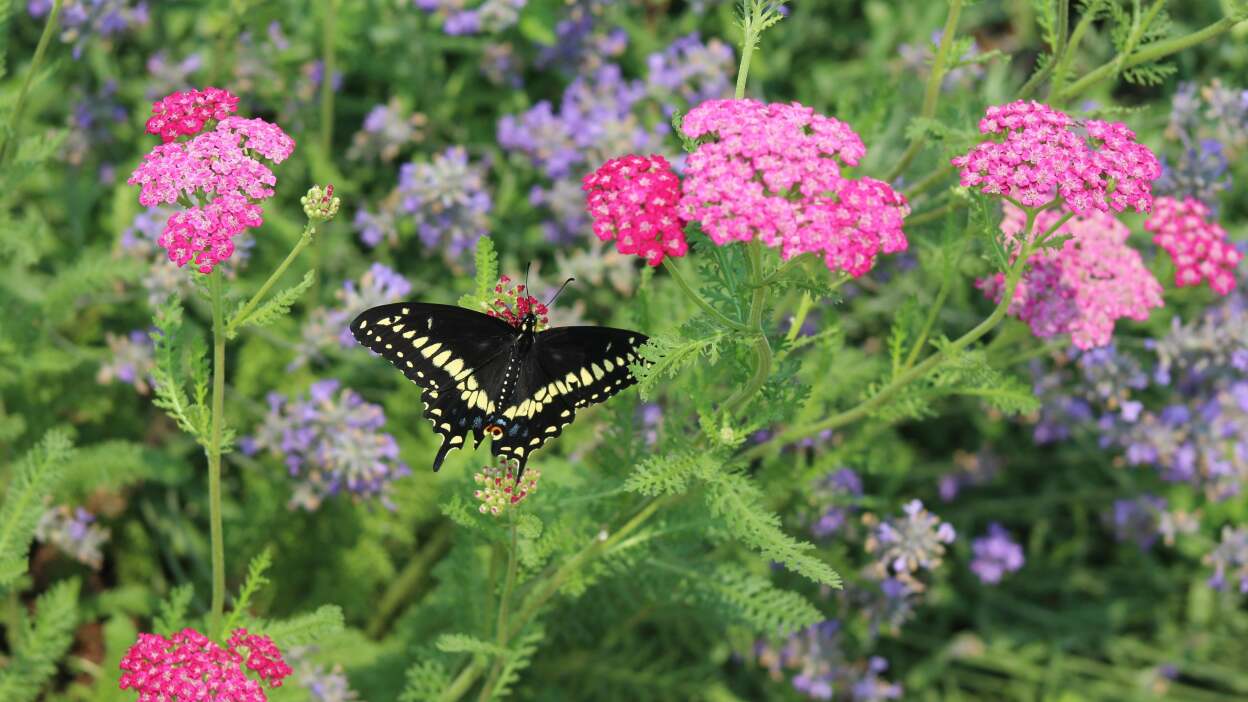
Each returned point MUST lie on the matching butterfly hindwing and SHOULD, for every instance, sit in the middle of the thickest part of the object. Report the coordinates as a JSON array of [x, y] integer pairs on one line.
[[457, 356], [568, 368]]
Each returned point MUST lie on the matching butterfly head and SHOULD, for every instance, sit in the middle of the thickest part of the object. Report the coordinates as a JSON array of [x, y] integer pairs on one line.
[[513, 304]]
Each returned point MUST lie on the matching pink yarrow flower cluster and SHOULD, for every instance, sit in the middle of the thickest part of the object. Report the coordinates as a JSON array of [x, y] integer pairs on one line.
[[633, 200], [511, 303], [773, 172], [1084, 287], [1042, 154], [1196, 243], [221, 171], [190, 667], [185, 113]]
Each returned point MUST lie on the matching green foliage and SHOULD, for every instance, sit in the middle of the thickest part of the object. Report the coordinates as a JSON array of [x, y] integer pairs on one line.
[[255, 580], [275, 308], [425, 681], [181, 360], [34, 479], [666, 355], [739, 504], [669, 474], [41, 643], [172, 615], [304, 629], [486, 277], [462, 643], [517, 659]]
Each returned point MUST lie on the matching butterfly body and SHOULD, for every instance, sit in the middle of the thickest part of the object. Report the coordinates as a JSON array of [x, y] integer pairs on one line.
[[483, 375]]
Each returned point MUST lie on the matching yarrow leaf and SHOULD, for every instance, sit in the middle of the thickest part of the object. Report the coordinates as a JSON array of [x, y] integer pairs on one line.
[[667, 354], [39, 645], [304, 629], [171, 616], [34, 479], [463, 643], [274, 309], [669, 474], [252, 584], [425, 681]]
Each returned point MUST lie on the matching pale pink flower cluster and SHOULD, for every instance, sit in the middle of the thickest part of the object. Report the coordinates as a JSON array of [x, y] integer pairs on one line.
[[1196, 243], [1044, 154], [773, 172], [190, 667], [633, 200], [221, 173], [1081, 289], [185, 113]]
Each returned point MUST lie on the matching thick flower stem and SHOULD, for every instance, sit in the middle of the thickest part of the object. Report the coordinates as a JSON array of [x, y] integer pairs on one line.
[[214, 452], [692, 294], [866, 407], [327, 76], [1152, 52], [504, 603], [762, 348], [932, 94], [19, 107], [309, 231]]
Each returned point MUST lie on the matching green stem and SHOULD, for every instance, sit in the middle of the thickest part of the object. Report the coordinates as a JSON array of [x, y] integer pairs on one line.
[[306, 238], [864, 408], [692, 294], [932, 94], [799, 317], [214, 452], [747, 54], [503, 603], [327, 77], [785, 268], [1152, 52], [762, 348], [19, 108], [1072, 45], [930, 215], [409, 580]]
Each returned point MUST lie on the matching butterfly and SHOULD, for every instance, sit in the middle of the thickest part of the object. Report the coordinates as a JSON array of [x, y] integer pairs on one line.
[[499, 375]]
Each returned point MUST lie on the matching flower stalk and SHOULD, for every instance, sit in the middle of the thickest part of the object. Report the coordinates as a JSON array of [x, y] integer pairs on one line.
[[214, 451], [19, 108]]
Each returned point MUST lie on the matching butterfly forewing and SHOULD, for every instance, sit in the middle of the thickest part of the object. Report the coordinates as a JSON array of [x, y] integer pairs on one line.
[[567, 368], [458, 357]]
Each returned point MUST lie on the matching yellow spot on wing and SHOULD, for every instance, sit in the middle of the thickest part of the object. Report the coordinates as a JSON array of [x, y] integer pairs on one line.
[[430, 349], [420, 341], [455, 366], [586, 378], [598, 371]]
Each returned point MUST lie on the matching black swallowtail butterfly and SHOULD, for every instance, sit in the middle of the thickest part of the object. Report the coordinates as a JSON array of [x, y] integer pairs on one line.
[[483, 375]]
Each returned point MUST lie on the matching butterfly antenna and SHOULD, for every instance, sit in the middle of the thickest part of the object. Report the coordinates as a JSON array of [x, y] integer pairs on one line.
[[561, 287], [528, 267]]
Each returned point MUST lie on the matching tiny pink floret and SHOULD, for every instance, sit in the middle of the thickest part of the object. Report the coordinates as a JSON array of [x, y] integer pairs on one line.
[[1084, 287], [633, 200], [189, 666], [1196, 243], [772, 172], [1040, 154], [185, 113]]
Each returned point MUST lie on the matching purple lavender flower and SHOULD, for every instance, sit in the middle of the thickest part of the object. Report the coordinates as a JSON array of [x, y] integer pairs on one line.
[[323, 684], [1200, 171], [689, 72], [908, 545], [582, 41], [387, 130], [74, 532], [501, 66], [996, 554], [835, 495], [131, 362], [488, 17], [331, 442], [1230, 559], [167, 76], [82, 19], [91, 123], [650, 417], [445, 199], [820, 669], [1138, 519], [329, 327], [970, 470]]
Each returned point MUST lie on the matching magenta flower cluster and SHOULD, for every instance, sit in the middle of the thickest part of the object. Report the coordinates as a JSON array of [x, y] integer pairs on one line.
[[218, 177], [1084, 287], [190, 667], [185, 113], [1197, 244], [772, 172], [633, 200], [1042, 154]]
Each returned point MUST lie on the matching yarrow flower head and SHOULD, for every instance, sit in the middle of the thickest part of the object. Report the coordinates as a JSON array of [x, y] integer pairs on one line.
[[1040, 154], [74, 532], [319, 204], [332, 443], [996, 554], [185, 113], [500, 489], [1084, 287], [908, 545], [190, 666], [633, 200], [218, 168], [1196, 243], [772, 172], [512, 302]]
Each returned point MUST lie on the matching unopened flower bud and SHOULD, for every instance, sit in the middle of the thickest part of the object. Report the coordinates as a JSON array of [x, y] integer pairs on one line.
[[320, 204]]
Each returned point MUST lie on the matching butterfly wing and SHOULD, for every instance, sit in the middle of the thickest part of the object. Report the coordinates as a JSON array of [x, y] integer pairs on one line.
[[566, 369], [456, 356]]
